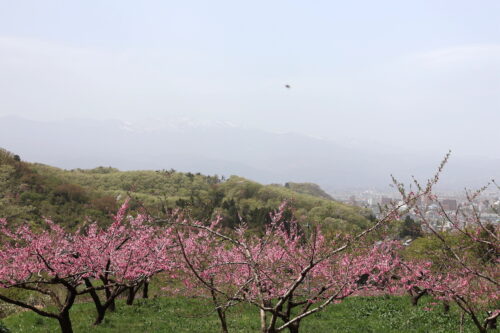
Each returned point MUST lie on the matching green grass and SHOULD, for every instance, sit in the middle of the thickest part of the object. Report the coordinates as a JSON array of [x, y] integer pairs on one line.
[[366, 315]]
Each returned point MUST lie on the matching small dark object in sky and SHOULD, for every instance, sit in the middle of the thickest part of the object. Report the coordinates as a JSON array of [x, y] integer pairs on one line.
[[287, 86]]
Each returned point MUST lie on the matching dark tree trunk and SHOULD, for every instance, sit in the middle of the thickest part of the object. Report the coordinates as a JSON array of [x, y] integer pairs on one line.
[[131, 295], [97, 302], [222, 319], [220, 312], [446, 306], [100, 316], [108, 292], [491, 323], [112, 305], [100, 307], [294, 328], [101, 311], [416, 294], [65, 322], [481, 328], [145, 290], [63, 317]]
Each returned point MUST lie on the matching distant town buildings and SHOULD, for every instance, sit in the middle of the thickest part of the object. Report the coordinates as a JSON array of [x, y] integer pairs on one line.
[[449, 204], [487, 206]]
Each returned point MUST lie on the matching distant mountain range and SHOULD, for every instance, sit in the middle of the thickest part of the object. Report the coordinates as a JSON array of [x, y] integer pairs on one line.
[[225, 149]]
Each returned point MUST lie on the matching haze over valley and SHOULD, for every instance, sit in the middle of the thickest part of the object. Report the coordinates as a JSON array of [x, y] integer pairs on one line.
[[227, 149]]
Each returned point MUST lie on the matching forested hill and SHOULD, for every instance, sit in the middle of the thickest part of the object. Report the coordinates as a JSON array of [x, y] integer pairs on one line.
[[308, 188], [30, 191]]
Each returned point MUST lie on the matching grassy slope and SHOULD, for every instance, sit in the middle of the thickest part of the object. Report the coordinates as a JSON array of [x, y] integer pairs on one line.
[[378, 314]]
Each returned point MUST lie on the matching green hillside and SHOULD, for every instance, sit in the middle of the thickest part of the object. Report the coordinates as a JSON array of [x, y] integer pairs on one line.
[[27, 195], [308, 188], [29, 191]]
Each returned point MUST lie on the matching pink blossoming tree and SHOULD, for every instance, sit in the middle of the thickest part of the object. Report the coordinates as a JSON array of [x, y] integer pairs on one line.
[[40, 262], [120, 257], [466, 272], [288, 273], [123, 257]]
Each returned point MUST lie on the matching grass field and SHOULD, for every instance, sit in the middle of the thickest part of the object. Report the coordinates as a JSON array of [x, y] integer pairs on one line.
[[177, 315]]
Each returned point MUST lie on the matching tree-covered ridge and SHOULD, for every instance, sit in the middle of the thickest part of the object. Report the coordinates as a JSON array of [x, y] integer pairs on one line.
[[206, 196], [28, 195], [31, 191], [308, 188]]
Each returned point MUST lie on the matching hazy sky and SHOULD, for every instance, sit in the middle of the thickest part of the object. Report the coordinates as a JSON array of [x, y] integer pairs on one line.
[[420, 74]]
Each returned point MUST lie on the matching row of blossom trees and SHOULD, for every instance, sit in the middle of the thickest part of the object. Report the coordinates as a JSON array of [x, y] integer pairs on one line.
[[62, 265], [288, 272], [283, 269]]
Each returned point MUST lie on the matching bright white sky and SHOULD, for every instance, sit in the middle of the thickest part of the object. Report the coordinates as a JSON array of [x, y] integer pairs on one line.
[[420, 74]]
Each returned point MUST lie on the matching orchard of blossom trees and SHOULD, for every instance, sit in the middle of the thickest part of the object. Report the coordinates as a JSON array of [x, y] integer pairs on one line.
[[288, 272]]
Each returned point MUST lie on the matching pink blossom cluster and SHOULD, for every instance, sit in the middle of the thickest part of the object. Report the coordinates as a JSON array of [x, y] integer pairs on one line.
[[129, 250], [287, 266]]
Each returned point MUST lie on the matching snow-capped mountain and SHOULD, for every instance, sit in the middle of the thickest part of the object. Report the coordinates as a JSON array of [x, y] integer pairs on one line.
[[225, 149]]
